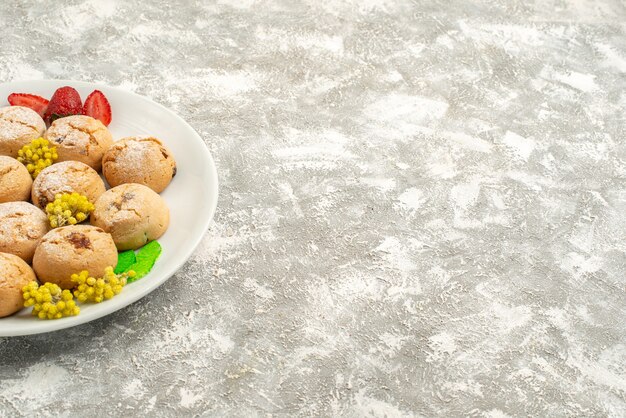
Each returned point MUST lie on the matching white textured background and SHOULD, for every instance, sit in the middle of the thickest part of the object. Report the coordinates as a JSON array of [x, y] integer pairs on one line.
[[423, 209]]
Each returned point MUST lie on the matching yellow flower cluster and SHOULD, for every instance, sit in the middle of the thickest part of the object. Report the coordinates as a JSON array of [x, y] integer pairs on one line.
[[49, 301], [68, 208], [37, 155], [91, 289]]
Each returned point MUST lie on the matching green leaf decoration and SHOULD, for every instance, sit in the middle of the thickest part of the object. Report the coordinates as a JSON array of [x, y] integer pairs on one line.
[[146, 257], [124, 261]]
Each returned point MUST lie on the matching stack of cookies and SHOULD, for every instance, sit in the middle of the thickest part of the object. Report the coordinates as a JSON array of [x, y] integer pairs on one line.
[[122, 179]]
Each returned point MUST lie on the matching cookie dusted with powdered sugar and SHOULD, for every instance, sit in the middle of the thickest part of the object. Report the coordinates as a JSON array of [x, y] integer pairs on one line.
[[14, 274], [15, 181], [80, 138], [22, 226], [71, 249], [133, 214], [18, 126], [139, 159], [66, 177]]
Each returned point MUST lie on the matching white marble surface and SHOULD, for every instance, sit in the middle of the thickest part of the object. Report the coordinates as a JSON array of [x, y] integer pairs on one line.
[[423, 209]]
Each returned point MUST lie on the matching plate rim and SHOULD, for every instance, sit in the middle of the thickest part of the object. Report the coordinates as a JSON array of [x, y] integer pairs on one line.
[[41, 327]]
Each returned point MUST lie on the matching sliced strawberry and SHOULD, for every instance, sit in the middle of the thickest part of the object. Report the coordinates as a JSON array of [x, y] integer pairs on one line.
[[64, 102], [97, 106], [37, 103]]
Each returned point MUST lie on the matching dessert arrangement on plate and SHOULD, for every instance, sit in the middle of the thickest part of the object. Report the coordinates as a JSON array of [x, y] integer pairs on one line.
[[80, 213]]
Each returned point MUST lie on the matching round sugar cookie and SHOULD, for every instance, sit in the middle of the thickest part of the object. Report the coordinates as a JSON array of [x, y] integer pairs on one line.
[[72, 249], [15, 181], [132, 213], [80, 138], [14, 275], [66, 177], [22, 226], [139, 159], [18, 126]]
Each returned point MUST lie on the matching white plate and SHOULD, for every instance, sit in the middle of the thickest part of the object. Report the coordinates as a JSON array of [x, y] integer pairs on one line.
[[191, 196]]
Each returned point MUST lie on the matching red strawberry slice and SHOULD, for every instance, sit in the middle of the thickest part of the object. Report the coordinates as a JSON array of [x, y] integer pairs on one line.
[[37, 103], [97, 106], [64, 102]]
